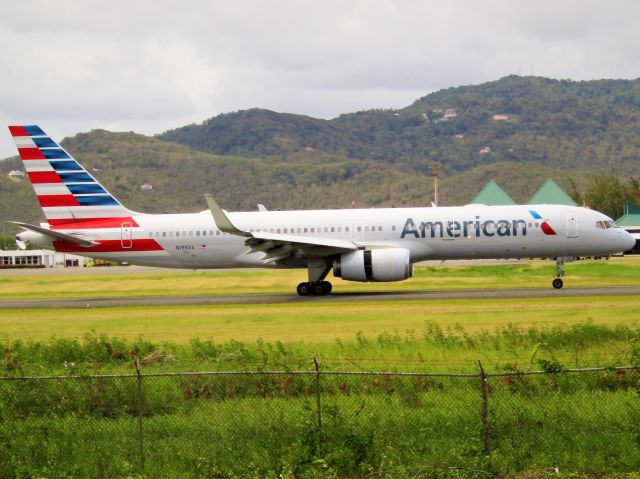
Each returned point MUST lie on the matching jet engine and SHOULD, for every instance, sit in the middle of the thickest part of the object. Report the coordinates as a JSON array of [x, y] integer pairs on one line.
[[381, 264]]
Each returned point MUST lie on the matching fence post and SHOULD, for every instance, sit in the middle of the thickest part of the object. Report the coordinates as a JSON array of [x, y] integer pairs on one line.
[[486, 440], [318, 410], [140, 414]]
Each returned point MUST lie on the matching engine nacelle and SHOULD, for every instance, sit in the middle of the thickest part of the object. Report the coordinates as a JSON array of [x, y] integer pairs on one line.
[[383, 264]]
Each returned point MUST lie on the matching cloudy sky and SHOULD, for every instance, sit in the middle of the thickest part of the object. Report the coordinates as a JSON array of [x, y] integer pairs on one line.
[[71, 66]]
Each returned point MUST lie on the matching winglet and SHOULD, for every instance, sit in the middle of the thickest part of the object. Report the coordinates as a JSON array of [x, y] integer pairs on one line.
[[222, 220]]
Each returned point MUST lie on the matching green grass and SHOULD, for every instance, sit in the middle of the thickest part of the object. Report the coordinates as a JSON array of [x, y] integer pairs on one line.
[[319, 322], [266, 426], [617, 271]]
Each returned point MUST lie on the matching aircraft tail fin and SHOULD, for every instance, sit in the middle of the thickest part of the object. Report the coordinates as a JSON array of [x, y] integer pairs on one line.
[[67, 192]]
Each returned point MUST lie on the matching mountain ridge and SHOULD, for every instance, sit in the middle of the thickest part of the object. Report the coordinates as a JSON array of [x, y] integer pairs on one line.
[[590, 125]]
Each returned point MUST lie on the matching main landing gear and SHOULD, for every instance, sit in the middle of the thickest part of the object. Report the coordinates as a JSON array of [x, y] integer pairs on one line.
[[316, 286], [557, 282]]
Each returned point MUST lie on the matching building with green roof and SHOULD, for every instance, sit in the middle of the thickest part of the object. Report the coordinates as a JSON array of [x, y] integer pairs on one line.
[[492, 194], [551, 194], [630, 221]]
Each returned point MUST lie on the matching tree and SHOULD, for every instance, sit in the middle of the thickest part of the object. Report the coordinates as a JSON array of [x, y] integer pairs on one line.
[[607, 192]]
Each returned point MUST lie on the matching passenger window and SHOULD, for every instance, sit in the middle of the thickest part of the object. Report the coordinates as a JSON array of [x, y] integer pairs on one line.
[[313, 230], [305, 230], [190, 233], [278, 230], [366, 228], [379, 228], [359, 228], [198, 233], [164, 234], [217, 232], [393, 228], [346, 229]]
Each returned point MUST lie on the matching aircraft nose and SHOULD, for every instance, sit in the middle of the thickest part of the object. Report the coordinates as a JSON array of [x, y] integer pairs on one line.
[[626, 241]]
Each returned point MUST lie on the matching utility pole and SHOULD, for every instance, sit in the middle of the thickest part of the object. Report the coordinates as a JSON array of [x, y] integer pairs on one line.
[[435, 171]]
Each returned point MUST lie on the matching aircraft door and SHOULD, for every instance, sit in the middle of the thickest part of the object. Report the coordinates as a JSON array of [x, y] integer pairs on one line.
[[572, 226], [126, 235]]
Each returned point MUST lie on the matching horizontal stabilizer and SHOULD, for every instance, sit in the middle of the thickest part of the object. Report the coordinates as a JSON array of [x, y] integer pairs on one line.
[[56, 235]]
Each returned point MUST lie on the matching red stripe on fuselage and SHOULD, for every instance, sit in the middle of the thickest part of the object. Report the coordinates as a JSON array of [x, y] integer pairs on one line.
[[18, 131], [57, 200], [42, 177], [31, 154], [109, 246], [91, 223], [547, 229]]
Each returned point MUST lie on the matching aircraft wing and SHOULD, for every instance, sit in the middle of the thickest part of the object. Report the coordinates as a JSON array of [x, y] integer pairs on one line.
[[279, 246], [56, 235]]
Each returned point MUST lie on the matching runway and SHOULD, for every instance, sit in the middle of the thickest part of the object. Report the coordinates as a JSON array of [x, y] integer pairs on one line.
[[292, 298]]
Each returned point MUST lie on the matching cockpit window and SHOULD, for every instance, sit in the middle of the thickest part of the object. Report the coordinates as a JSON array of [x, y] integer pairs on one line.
[[603, 225]]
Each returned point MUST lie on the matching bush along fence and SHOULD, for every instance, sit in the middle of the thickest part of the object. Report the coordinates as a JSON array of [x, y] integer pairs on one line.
[[320, 424]]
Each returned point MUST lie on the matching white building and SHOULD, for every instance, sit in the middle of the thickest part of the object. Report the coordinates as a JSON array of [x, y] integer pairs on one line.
[[16, 174], [40, 257]]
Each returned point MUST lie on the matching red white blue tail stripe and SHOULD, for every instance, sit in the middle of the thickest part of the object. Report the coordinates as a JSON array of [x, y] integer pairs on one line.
[[67, 193]]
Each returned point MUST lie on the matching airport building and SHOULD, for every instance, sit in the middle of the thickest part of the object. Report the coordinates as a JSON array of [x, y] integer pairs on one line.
[[630, 221], [40, 258], [493, 195], [551, 194]]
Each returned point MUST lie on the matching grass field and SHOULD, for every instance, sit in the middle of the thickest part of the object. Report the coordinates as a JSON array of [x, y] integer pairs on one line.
[[261, 426], [312, 323], [535, 274]]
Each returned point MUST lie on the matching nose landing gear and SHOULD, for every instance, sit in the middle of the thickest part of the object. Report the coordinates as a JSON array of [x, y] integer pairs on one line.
[[557, 283]]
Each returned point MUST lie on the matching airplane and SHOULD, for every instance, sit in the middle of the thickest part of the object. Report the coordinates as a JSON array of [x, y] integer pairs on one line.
[[380, 244]]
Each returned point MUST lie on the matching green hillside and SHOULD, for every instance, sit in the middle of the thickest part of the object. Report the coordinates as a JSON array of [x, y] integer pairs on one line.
[[589, 125], [181, 176], [548, 129]]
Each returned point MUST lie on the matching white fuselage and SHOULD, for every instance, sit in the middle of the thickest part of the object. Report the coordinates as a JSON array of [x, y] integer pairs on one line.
[[466, 232]]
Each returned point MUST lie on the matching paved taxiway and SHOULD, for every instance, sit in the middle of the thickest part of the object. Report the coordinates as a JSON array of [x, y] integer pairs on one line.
[[334, 297]]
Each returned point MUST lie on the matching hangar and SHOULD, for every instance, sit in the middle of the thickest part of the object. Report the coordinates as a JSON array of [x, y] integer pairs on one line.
[[40, 258], [630, 221]]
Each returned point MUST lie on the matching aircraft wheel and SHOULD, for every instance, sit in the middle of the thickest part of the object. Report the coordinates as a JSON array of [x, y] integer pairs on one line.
[[557, 283], [326, 287], [304, 289], [318, 288]]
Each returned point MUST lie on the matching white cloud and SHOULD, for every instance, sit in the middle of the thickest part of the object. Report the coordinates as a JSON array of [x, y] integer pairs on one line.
[[149, 66]]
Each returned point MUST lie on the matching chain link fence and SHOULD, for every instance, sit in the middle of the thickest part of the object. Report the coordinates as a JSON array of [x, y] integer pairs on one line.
[[320, 424]]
